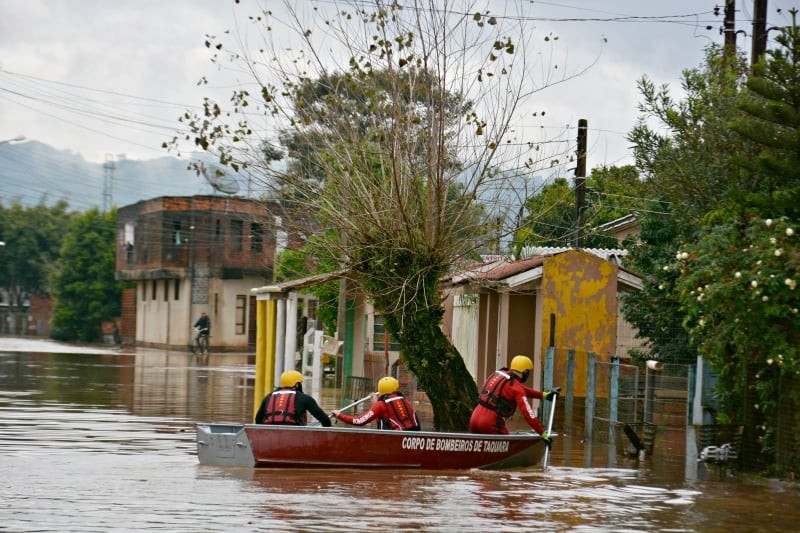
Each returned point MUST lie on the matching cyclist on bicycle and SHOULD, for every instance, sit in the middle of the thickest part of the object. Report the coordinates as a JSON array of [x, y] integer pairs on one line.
[[203, 326]]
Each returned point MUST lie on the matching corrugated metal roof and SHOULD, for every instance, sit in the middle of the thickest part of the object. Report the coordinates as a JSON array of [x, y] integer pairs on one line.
[[606, 253], [500, 270]]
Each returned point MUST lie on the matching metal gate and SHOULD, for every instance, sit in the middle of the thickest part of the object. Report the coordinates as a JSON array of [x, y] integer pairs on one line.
[[632, 405]]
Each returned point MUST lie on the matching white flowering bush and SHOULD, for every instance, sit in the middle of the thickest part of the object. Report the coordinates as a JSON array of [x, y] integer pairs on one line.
[[738, 286]]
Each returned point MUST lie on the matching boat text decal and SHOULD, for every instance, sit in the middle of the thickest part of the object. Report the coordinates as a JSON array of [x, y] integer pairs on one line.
[[455, 445]]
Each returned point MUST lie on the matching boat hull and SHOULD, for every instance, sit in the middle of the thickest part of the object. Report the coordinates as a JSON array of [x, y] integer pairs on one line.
[[266, 446]]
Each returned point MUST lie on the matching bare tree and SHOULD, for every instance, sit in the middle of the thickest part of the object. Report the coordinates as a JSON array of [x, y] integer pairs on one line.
[[405, 125]]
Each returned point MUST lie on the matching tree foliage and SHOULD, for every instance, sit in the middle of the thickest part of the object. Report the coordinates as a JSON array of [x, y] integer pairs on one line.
[[398, 119], [32, 237], [729, 167], [683, 149], [738, 280], [294, 264], [612, 192], [85, 289], [656, 309], [738, 287]]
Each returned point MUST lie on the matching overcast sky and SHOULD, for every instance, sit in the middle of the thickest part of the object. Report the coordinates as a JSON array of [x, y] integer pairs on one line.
[[101, 77]]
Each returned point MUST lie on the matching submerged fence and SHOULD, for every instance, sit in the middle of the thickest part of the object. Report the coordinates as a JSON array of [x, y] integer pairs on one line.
[[622, 407], [616, 409]]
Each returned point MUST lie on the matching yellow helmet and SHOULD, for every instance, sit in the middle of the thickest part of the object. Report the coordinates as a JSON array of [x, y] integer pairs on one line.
[[290, 378], [521, 363], [387, 385]]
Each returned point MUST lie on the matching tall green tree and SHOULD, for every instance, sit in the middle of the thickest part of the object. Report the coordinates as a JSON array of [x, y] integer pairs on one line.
[[32, 237], [551, 217], [431, 91], [684, 151], [683, 148], [770, 120], [738, 281], [85, 289]]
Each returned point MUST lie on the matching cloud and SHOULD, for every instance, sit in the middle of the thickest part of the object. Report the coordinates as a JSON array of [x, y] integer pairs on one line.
[[99, 77]]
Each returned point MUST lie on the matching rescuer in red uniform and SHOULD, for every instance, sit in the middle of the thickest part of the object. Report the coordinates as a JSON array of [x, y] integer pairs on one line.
[[500, 396], [392, 410], [288, 404]]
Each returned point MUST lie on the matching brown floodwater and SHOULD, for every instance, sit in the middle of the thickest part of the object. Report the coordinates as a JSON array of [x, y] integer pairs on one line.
[[105, 441]]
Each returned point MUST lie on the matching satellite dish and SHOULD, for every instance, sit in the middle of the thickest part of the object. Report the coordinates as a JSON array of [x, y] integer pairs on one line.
[[219, 179]]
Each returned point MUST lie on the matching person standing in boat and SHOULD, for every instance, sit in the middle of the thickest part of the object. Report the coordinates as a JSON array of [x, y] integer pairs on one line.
[[289, 405], [391, 409], [500, 396]]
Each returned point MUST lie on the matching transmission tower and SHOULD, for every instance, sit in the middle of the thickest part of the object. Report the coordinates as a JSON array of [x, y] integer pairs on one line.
[[108, 182]]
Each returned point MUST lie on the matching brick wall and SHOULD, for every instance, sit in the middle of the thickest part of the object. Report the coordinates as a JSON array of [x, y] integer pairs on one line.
[[127, 323]]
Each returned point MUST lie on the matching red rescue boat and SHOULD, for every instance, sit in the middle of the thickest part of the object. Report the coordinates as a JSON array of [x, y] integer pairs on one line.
[[268, 446]]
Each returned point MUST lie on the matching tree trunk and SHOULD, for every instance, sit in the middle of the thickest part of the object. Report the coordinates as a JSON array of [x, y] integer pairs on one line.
[[439, 368]]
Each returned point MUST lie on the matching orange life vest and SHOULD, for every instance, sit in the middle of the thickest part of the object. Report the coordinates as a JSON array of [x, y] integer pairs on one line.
[[402, 416], [282, 408], [492, 396]]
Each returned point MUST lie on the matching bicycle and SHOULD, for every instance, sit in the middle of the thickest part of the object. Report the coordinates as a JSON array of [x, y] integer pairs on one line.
[[201, 343]]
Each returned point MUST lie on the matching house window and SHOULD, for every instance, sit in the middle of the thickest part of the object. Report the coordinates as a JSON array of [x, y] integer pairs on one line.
[[379, 335], [236, 234], [155, 290], [218, 228], [256, 237], [176, 232], [241, 313], [177, 294], [130, 232], [129, 256], [166, 290], [144, 290]]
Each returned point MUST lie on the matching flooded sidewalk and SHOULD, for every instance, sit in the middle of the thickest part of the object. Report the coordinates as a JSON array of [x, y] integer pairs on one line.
[[37, 344]]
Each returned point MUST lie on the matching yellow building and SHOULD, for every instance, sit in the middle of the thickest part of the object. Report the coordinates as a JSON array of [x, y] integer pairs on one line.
[[568, 299]]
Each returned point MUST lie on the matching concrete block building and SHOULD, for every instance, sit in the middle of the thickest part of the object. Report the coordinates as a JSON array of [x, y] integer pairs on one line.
[[188, 255]]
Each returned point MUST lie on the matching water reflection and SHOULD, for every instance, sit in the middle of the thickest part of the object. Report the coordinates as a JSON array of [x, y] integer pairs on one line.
[[106, 442]]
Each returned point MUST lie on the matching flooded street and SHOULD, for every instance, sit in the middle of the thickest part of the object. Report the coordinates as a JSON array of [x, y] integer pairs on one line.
[[104, 440]]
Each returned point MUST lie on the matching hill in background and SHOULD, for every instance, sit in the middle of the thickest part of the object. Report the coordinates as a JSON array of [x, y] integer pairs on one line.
[[32, 172]]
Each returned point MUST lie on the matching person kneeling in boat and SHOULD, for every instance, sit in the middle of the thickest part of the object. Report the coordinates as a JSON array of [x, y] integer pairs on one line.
[[502, 393], [289, 405], [391, 409]]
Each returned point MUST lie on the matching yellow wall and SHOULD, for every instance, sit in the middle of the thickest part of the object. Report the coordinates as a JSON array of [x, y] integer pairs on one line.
[[580, 290]]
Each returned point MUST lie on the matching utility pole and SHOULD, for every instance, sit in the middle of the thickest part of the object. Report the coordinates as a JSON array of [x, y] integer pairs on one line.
[[759, 31], [730, 28], [580, 182]]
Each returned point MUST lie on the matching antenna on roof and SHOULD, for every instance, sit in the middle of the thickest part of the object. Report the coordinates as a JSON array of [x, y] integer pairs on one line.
[[219, 179]]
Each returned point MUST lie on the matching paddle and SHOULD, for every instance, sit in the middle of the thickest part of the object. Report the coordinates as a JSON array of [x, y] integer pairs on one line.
[[357, 402], [348, 406], [549, 430]]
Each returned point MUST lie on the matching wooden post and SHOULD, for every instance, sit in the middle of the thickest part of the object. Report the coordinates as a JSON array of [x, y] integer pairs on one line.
[[547, 379], [613, 401], [569, 392], [759, 41], [730, 28], [589, 410], [580, 182]]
